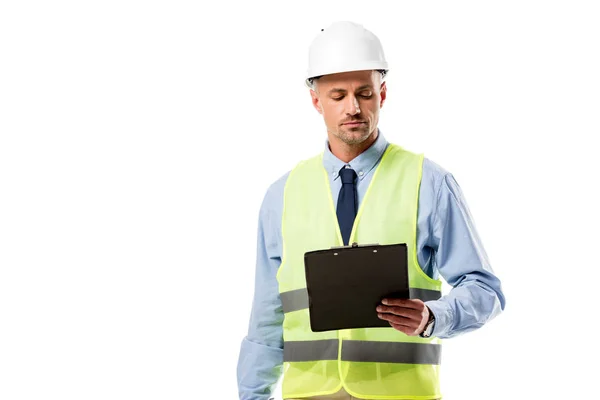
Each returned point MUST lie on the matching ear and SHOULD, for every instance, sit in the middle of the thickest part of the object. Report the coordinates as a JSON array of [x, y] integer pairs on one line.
[[382, 93], [315, 101]]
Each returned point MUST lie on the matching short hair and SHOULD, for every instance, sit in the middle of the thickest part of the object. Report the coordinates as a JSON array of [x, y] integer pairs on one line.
[[311, 81]]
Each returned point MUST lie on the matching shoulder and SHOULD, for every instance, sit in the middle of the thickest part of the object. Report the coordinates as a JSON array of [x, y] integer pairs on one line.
[[279, 184], [273, 199], [434, 176], [433, 170], [276, 188]]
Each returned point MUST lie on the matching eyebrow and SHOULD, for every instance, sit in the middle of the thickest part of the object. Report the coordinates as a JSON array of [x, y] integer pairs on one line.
[[363, 87]]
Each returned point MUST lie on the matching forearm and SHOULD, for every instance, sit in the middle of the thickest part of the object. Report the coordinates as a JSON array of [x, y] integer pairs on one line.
[[258, 370], [261, 353], [467, 307]]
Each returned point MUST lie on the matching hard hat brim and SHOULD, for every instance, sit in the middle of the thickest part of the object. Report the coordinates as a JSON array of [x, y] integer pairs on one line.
[[374, 65]]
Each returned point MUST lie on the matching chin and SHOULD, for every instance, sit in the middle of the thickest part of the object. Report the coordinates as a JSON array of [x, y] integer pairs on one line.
[[354, 136]]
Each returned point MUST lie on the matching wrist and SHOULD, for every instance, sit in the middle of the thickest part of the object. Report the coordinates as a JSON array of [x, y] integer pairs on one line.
[[428, 329]]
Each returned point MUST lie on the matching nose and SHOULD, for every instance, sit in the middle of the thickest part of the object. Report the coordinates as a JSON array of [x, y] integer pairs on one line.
[[353, 107]]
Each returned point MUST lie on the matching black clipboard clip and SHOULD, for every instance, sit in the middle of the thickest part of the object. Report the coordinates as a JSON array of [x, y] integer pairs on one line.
[[355, 245]]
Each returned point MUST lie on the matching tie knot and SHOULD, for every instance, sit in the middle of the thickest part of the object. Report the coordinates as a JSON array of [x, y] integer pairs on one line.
[[348, 175]]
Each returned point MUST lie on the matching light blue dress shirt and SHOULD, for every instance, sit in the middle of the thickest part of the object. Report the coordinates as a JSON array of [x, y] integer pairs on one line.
[[447, 245]]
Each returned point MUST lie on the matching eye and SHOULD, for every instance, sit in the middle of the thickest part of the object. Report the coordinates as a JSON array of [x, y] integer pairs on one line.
[[337, 98], [366, 96]]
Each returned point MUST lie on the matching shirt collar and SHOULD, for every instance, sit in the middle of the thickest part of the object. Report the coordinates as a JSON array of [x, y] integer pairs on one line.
[[362, 164]]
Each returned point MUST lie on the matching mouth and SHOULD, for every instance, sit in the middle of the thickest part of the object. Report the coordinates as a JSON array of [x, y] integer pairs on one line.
[[355, 123]]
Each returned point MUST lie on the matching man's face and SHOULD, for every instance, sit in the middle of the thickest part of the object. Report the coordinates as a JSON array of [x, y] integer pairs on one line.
[[350, 103]]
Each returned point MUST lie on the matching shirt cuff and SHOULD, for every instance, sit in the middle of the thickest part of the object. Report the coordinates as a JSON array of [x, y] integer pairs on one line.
[[444, 318], [259, 369]]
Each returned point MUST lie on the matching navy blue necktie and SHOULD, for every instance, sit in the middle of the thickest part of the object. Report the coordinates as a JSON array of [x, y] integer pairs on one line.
[[346, 206]]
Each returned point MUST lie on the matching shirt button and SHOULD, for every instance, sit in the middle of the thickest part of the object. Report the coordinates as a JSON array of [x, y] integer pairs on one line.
[[360, 173]]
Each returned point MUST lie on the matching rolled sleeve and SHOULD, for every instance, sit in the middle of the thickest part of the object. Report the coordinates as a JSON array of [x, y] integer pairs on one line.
[[259, 368]]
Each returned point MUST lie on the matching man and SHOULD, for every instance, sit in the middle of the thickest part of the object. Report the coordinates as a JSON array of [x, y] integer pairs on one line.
[[361, 189]]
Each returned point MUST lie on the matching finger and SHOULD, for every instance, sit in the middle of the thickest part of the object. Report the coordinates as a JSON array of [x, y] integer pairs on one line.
[[402, 311], [400, 320], [416, 304], [404, 329]]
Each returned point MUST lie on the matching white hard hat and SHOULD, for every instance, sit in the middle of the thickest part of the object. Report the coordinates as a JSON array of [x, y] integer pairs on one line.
[[344, 46]]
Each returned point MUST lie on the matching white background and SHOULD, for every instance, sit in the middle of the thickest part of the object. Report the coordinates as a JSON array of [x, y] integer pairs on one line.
[[138, 140]]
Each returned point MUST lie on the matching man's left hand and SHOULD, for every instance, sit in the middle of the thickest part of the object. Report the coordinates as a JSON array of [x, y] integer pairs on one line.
[[406, 315]]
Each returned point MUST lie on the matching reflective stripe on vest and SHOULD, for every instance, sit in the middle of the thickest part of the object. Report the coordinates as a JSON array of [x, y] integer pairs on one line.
[[295, 300], [359, 350], [369, 362]]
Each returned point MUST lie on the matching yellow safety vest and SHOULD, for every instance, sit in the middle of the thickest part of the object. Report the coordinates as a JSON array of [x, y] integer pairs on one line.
[[374, 363]]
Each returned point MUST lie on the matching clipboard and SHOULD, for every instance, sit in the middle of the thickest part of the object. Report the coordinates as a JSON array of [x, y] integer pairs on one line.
[[345, 284]]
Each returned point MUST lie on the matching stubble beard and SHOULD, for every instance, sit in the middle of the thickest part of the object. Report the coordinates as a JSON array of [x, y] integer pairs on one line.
[[350, 137]]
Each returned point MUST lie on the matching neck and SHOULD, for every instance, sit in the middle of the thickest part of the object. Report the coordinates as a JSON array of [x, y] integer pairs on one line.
[[348, 152]]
